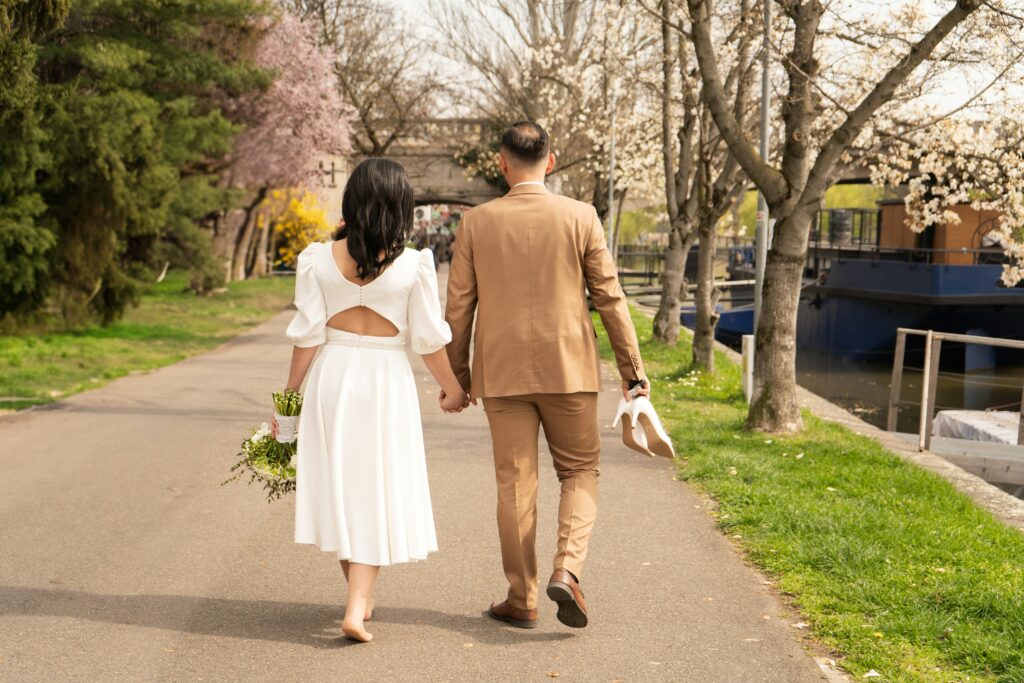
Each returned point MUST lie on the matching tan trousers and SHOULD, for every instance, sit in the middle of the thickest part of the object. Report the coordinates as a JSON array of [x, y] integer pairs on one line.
[[571, 429]]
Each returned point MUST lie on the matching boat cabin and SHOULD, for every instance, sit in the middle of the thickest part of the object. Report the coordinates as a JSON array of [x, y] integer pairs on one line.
[[965, 243]]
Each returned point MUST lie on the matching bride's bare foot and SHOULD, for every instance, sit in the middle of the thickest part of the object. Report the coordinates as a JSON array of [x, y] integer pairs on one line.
[[355, 631], [359, 602], [369, 614]]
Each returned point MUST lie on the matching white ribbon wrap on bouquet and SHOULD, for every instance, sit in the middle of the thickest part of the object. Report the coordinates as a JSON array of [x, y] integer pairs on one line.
[[287, 426]]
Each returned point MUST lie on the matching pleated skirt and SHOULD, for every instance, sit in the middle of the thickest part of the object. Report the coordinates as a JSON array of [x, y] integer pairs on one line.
[[361, 474]]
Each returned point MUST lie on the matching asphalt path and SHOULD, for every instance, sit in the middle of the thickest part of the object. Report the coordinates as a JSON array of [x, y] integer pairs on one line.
[[123, 558]]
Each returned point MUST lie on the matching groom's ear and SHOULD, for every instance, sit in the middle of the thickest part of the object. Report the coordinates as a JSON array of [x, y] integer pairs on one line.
[[551, 164]]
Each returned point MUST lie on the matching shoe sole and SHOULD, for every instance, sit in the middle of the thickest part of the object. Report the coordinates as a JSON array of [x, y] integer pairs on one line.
[[654, 441], [627, 437], [518, 623], [569, 611]]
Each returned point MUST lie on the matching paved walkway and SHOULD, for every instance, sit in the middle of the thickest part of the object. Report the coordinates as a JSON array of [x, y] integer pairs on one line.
[[122, 558]]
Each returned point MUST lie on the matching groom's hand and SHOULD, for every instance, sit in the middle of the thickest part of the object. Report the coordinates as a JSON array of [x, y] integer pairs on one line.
[[453, 403], [645, 390]]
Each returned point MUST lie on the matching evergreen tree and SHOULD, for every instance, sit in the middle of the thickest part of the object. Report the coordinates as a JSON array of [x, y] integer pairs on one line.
[[24, 244], [134, 139]]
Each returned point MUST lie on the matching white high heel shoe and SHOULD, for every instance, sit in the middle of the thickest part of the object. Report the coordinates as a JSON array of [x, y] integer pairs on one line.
[[633, 435], [642, 429], [658, 439]]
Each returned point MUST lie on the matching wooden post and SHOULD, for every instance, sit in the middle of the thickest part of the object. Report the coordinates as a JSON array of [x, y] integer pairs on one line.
[[897, 380], [1020, 429], [932, 383], [748, 366], [926, 375]]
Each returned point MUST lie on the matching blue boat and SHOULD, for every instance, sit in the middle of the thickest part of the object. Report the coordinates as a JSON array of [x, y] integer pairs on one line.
[[856, 308], [869, 274], [733, 323]]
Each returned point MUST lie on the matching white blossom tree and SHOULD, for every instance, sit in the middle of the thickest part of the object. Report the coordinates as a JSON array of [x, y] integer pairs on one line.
[[850, 73], [965, 161]]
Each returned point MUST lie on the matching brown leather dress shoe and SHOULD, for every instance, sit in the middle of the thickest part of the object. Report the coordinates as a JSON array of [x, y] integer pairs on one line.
[[520, 618], [565, 591]]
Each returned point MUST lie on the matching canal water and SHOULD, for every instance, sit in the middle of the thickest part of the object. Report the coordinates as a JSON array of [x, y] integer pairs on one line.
[[863, 387]]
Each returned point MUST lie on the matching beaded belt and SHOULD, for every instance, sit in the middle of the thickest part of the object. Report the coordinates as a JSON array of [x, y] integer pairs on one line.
[[342, 338]]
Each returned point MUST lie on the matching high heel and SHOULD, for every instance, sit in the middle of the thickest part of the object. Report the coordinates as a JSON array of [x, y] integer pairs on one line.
[[633, 435], [657, 439]]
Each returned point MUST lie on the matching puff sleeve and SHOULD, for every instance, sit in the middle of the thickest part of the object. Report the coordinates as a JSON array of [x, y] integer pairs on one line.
[[309, 326], [428, 331]]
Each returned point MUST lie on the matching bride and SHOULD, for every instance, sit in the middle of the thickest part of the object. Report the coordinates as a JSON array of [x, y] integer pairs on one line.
[[361, 477]]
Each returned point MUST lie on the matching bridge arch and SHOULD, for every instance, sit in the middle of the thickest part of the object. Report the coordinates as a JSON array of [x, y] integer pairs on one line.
[[427, 151]]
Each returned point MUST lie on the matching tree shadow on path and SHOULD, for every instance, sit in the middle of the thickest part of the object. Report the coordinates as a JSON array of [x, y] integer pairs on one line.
[[284, 622]]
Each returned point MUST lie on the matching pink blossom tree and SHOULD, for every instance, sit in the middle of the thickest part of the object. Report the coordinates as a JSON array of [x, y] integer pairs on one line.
[[297, 118]]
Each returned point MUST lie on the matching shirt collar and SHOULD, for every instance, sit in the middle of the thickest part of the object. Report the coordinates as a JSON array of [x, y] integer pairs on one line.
[[528, 187]]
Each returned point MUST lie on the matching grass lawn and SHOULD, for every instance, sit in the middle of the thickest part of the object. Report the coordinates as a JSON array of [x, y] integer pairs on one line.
[[891, 566], [169, 324]]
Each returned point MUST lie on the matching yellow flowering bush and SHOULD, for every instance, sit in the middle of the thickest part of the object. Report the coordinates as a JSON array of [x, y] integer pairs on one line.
[[298, 221]]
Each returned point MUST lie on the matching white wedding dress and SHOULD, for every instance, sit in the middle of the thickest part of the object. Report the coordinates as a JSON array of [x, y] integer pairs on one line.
[[361, 475]]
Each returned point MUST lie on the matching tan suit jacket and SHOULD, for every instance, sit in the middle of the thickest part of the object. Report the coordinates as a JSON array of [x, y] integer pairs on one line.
[[522, 264]]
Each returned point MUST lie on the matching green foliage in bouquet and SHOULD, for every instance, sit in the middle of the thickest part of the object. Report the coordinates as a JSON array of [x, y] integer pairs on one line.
[[288, 402], [266, 460]]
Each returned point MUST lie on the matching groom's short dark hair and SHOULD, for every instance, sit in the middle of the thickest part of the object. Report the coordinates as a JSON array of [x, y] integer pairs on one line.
[[526, 141]]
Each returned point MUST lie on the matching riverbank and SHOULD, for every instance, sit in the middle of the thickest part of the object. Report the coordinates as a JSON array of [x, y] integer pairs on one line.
[[890, 565], [169, 325]]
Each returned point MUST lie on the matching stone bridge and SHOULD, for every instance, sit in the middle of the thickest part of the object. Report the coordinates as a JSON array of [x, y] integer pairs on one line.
[[427, 151]]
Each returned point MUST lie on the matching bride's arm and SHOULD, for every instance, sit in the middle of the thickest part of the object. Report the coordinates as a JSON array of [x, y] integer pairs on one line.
[[453, 396], [302, 358]]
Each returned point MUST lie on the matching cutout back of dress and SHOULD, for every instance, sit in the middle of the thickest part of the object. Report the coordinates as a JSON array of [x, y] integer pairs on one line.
[[361, 319]]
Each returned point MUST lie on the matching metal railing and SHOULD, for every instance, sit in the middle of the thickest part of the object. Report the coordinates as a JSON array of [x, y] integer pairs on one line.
[[932, 352], [853, 228], [646, 263]]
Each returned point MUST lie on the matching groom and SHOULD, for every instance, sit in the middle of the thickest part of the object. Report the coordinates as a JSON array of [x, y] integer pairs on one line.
[[520, 266]]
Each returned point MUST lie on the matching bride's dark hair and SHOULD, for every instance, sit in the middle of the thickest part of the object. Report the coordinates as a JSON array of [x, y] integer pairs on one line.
[[378, 210]]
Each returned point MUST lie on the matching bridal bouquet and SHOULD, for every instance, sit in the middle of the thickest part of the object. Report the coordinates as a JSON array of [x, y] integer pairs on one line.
[[266, 459]]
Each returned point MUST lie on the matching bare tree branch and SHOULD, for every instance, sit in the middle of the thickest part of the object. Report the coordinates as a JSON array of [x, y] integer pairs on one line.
[[844, 135], [769, 179]]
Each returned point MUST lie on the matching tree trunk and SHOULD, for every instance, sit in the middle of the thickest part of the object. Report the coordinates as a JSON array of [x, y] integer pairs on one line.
[[706, 299], [259, 266], [217, 227], [774, 407], [226, 226], [243, 244], [271, 253], [666, 321]]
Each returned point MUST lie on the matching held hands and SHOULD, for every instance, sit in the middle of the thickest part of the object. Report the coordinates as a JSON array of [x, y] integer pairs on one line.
[[453, 403]]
